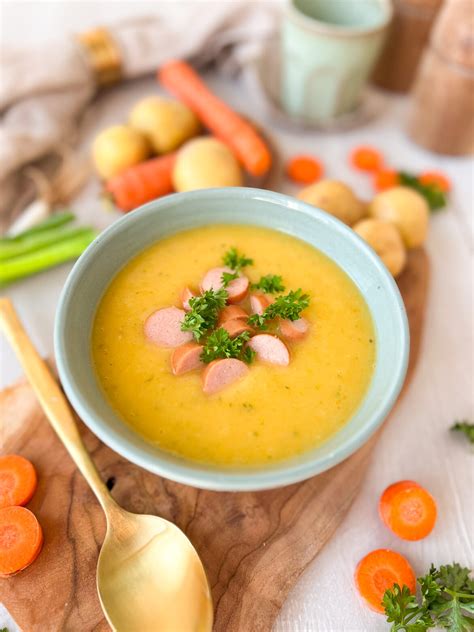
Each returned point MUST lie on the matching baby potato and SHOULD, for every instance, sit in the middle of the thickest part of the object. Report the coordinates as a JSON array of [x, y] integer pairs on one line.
[[385, 239], [335, 198], [166, 123], [405, 208], [116, 148], [203, 163]]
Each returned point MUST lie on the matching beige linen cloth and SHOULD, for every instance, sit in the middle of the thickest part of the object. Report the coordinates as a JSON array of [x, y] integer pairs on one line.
[[44, 92]]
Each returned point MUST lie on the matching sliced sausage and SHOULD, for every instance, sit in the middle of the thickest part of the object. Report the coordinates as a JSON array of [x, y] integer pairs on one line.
[[230, 312], [237, 289], [219, 373], [259, 303], [186, 294], [163, 328], [294, 329], [186, 358], [236, 326], [270, 349]]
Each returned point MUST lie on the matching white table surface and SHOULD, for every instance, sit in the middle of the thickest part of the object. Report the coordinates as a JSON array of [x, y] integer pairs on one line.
[[416, 444]]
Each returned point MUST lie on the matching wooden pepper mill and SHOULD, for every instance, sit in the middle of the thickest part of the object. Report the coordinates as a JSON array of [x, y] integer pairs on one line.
[[407, 38], [442, 116]]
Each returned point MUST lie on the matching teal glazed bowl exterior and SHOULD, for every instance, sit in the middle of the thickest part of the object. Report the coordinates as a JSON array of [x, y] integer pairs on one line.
[[128, 236]]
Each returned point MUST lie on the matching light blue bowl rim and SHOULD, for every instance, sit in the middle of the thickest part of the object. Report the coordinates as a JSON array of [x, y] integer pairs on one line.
[[217, 479]]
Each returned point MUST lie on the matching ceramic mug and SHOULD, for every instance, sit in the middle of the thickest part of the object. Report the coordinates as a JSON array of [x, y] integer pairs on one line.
[[328, 50]]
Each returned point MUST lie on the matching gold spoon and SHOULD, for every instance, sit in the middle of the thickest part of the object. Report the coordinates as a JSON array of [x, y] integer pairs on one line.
[[149, 576]]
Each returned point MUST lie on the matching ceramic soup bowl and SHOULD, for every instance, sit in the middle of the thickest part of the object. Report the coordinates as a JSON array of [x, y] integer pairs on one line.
[[136, 231]]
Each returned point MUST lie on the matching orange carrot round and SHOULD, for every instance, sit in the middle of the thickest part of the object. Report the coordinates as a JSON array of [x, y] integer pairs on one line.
[[179, 78], [380, 570], [17, 480], [142, 183], [304, 169], [437, 178], [367, 159], [21, 538], [386, 179], [408, 510]]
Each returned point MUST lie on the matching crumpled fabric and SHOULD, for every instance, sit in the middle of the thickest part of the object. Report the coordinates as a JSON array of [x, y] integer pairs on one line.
[[44, 92]]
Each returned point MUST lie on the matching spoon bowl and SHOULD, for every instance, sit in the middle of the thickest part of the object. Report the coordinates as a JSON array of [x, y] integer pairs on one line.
[[148, 566]]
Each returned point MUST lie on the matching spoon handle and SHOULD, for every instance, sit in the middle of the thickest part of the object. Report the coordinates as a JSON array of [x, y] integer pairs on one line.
[[52, 400]]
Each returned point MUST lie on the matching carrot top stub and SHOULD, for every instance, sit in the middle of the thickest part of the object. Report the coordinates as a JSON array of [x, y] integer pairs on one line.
[[378, 571], [17, 480], [21, 538], [408, 510]]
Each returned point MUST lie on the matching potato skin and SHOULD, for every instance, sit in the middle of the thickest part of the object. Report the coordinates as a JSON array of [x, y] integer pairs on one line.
[[405, 208], [385, 239], [166, 123], [204, 163], [336, 198], [116, 148]]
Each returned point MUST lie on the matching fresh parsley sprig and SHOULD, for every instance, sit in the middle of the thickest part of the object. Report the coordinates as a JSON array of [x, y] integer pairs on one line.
[[204, 312], [447, 601], [269, 284], [466, 427], [227, 277], [235, 261], [404, 612], [287, 306], [220, 345]]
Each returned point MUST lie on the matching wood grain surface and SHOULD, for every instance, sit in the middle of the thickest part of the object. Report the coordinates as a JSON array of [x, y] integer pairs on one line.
[[253, 545]]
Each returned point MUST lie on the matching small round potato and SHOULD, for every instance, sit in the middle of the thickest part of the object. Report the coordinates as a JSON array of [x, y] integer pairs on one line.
[[116, 148], [385, 239], [166, 123], [405, 208], [203, 163], [336, 198]]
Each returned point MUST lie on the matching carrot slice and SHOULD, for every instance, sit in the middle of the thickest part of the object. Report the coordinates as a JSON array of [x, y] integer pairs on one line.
[[367, 159], [437, 178], [408, 510], [386, 179], [21, 538], [304, 169], [380, 570], [17, 480]]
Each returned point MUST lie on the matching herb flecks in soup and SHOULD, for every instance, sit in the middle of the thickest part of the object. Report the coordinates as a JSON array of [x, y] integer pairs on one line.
[[308, 375]]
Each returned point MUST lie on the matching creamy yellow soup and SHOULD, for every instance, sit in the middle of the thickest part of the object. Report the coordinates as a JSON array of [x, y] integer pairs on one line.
[[273, 413]]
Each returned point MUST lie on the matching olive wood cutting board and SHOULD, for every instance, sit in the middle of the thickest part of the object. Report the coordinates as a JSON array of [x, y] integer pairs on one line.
[[254, 545]]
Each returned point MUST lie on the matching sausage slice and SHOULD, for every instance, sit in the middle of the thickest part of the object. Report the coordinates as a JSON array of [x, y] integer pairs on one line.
[[270, 349], [294, 329], [219, 373], [186, 294], [259, 303], [237, 289], [163, 328], [186, 358], [236, 326], [230, 312]]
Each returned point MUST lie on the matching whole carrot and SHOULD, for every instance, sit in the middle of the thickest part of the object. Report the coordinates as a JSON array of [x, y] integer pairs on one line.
[[180, 79], [142, 183]]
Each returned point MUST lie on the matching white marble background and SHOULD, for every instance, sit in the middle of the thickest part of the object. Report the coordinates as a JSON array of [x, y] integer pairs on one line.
[[416, 444]]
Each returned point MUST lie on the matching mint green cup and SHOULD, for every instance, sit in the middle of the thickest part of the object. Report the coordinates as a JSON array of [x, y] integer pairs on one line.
[[328, 50], [131, 234]]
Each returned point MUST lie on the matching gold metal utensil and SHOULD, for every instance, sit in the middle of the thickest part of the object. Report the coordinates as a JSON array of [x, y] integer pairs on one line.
[[149, 576]]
